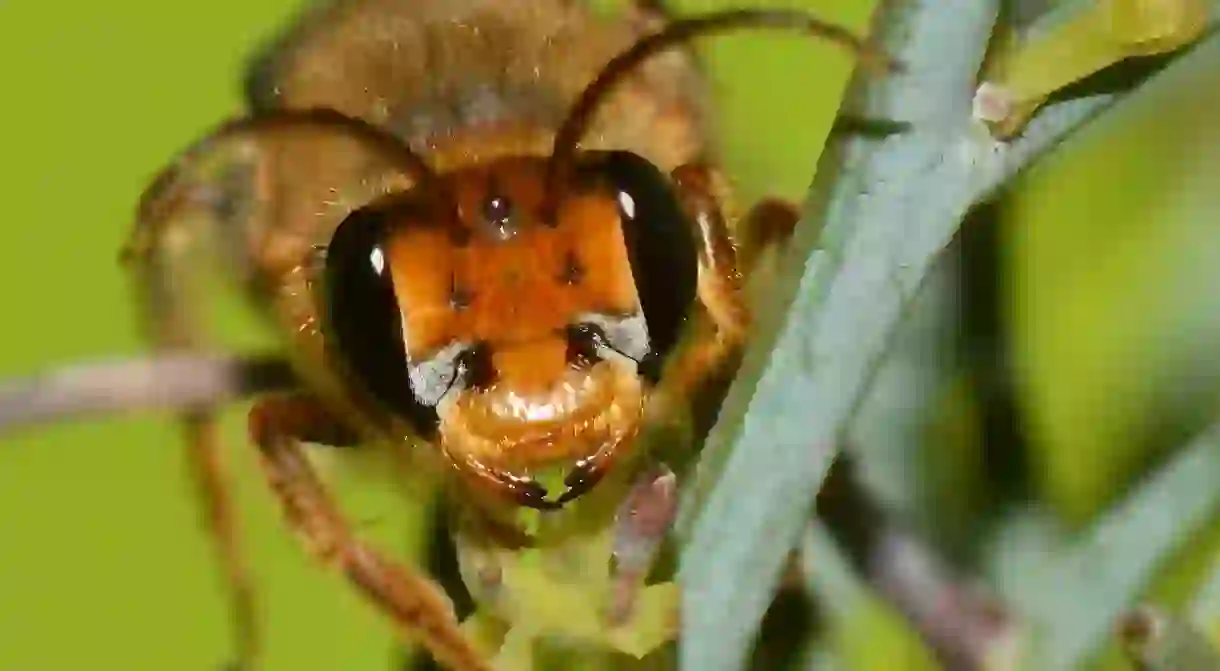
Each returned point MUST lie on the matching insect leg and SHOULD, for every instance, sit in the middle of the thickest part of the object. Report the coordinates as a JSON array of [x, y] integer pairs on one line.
[[696, 380], [223, 200], [161, 273], [420, 609], [641, 523], [720, 292], [724, 264], [768, 225]]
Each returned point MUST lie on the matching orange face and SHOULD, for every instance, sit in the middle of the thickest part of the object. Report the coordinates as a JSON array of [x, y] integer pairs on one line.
[[515, 339]]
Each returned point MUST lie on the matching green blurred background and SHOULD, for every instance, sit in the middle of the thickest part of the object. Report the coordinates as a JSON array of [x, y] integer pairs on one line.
[[1103, 308]]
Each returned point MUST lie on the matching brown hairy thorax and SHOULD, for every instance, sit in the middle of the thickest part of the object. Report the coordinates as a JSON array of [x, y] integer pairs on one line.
[[456, 79]]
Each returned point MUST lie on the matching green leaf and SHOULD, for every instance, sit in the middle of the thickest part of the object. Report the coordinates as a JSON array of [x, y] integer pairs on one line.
[[894, 206], [1161, 641], [1074, 598]]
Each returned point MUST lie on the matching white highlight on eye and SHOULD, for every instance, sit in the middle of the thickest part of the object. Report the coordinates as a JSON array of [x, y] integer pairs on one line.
[[626, 202], [377, 258]]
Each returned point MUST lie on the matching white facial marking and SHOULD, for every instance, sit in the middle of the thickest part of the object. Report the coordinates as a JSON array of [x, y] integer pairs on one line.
[[432, 378], [628, 335]]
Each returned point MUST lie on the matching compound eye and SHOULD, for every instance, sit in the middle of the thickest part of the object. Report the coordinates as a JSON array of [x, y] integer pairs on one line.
[[660, 240], [363, 322]]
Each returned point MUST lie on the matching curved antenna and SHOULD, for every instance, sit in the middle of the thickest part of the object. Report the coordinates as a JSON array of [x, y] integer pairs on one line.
[[563, 152], [380, 141], [322, 121]]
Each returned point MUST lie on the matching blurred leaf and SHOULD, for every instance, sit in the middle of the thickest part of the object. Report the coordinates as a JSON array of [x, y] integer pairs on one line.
[[850, 298], [892, 210], [1179, 579], [917, 437], [1106, 246], [1176, 582], [1073, 598], [1206, 608], [1160, 641], [862, 630], [1084, 38]]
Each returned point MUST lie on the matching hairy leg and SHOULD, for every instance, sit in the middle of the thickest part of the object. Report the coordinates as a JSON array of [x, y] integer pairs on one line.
[[767, 226], [161, 277], [279, 425], [723, 266], [221, 199], [641, 524], [710, 357]]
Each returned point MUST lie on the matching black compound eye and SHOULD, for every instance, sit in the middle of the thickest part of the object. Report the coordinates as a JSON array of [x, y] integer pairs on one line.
[[363, 322], [661, 245]]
